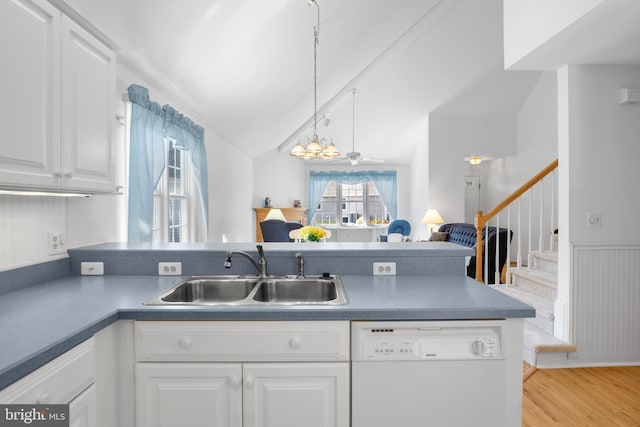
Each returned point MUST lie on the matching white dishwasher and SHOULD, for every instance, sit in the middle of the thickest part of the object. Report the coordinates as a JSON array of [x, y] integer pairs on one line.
[[436, 373]]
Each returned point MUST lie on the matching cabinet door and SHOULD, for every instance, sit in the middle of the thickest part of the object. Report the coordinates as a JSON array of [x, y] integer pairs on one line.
[[30, 88], [296, 394], [88, 90], [195, 395], [82, 409]]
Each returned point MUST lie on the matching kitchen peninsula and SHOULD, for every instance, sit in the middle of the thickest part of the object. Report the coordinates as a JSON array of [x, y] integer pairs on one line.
[[45, 320]]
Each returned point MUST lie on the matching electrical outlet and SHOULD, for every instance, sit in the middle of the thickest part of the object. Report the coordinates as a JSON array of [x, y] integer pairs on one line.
[[170, 268], [92, 268], [57, 242], [384, 268]]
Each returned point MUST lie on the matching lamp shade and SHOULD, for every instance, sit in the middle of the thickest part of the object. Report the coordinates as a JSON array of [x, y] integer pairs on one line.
[[432, 217], [275, 214]]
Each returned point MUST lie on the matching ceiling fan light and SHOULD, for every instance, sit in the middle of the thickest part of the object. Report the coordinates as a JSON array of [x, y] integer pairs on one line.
[[354, 161]]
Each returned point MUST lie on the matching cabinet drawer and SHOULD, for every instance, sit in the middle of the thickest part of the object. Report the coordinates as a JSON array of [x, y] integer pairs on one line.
[[241, 341], [59, 381]]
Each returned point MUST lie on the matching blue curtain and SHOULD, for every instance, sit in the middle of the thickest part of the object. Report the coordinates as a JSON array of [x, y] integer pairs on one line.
[[150, 125], [385, 181]]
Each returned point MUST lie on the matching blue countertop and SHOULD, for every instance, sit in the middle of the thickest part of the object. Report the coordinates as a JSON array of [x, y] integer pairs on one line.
[[40, 322]]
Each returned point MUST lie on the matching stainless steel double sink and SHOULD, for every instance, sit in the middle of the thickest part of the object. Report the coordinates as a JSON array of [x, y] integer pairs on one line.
[[254, 290]]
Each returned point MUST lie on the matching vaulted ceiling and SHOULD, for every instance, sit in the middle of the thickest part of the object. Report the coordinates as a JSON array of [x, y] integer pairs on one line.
[[245, 67]]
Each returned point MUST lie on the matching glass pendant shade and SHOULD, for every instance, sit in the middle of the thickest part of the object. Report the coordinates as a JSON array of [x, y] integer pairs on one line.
[[314, 146], [330, 151], [298, 150]]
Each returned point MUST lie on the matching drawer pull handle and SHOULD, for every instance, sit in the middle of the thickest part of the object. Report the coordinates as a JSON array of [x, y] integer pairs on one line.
[[234, 382], [294, 343], [43, 398], [248, 382], [185, 343]]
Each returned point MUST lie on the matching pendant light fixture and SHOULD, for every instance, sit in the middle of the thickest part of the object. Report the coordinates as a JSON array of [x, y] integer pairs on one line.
[[316, 148]]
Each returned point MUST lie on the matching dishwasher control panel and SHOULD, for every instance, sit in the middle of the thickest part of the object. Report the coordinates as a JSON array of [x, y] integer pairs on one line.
[[456, 340]]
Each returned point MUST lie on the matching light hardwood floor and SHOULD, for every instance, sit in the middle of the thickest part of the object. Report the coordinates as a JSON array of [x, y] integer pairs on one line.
[[590, 397]]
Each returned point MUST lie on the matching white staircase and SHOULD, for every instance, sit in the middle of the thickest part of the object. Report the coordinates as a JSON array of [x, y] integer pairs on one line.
[[537, 286]]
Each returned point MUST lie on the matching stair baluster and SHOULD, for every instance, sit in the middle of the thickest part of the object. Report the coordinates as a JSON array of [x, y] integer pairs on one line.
[[482, 222]]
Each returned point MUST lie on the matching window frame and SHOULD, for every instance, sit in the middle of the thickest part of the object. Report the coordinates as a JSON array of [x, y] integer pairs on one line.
[[162, 196]]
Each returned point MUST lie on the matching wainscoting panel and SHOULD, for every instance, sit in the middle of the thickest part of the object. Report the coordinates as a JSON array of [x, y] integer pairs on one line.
[[605, 298]]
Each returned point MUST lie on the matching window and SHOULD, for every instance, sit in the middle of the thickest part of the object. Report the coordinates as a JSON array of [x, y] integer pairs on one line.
[[370, 195], [350, 204], [168, 196], [172, 199]]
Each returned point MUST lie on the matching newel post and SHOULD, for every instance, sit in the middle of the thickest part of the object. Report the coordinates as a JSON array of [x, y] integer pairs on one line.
[[479, 224]]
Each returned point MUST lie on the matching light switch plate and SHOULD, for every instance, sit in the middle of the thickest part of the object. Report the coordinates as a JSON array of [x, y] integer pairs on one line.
[[92, 268]]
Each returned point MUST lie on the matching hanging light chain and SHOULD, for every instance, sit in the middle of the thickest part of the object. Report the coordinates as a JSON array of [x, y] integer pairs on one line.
[[316, 148], [316, 40]]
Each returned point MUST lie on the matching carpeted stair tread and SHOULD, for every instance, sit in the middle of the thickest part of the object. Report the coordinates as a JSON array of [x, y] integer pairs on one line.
[[536, 275], [543, 306]]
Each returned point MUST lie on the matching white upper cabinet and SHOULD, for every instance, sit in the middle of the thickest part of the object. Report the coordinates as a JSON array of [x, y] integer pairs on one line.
[[56, 109], [88, 88], [30, 87]]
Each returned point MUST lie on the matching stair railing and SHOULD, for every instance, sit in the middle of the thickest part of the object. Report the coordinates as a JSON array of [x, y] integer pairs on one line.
[[482, 221]]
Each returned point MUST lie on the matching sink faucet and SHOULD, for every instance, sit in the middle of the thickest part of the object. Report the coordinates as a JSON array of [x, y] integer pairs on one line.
[[300, 265], [261, 265]]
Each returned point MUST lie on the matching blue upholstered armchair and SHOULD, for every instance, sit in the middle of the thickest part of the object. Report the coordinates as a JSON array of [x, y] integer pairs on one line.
[[397, 226], [275, 230]]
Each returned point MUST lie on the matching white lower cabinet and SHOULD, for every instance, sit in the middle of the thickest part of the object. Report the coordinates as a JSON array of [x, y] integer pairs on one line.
[[67, 379], [189, 394], [83, 409], [290, 394], [259, 374]]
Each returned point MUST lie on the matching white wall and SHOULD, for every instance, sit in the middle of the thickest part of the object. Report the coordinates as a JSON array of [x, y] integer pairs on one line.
[[599, 146], [604, 148], [281, 177], [537, 142], [452, 137], [24, 224], [230, 186], [529, 24], [419, 187]]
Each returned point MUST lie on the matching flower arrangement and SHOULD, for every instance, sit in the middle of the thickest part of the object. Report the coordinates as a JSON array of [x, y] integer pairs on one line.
[[312, 233]]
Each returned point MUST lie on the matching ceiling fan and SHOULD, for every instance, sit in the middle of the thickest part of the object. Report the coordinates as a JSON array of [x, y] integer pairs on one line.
[[354, 156]]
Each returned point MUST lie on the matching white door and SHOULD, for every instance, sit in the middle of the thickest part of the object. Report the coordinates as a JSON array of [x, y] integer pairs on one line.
[[88, 91], [188, 394], [30, 88], [82, 409], [296, 394], [471, 198]]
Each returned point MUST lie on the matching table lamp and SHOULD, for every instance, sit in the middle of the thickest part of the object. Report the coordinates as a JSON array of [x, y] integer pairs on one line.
[[432, 218], [275, 214]]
